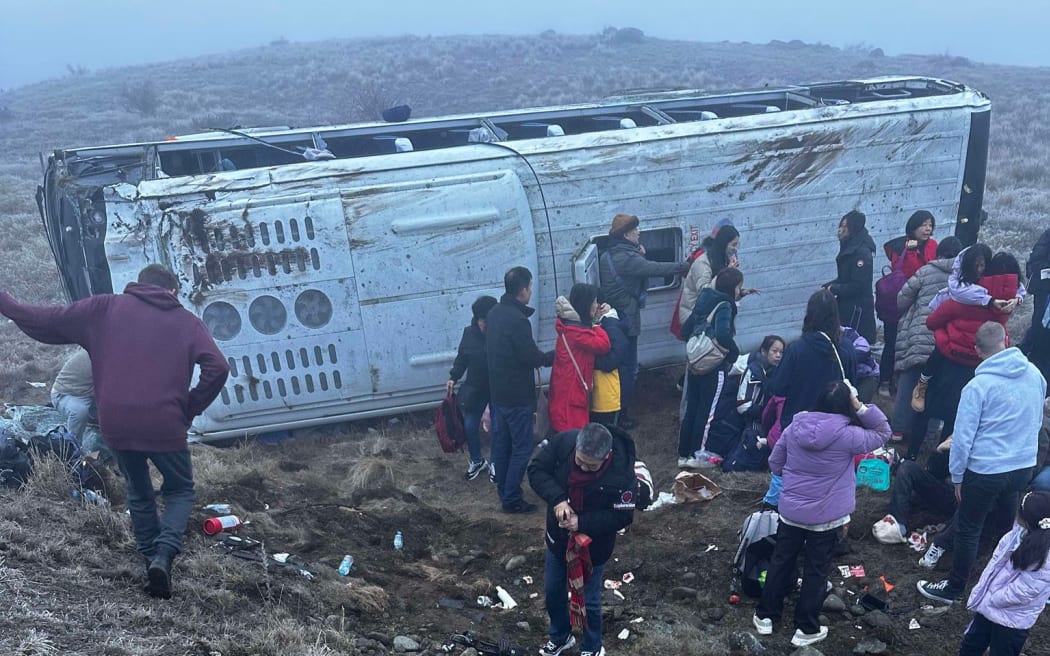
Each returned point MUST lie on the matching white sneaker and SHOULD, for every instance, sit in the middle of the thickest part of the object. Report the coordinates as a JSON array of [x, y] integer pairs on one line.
[[802, 639], [764, 626], [931, 557], [600, 652], [694, 463], [682, 462]]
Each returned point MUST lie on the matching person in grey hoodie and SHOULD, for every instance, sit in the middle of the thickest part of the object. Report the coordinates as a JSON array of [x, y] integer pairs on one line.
[[815, 458], [994, 448], [1014, 588]]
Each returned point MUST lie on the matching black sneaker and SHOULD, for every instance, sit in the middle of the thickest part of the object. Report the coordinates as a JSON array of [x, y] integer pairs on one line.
[[940, 591], [492, 473], [554, 649], [475, 469], [520, 508]]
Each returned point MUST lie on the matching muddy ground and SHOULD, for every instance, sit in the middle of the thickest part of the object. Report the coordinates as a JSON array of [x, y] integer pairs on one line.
[[70, 579]]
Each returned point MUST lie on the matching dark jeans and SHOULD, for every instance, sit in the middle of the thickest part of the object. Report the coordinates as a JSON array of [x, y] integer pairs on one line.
[[628, 373], [942, 397], [512, 436], [889, 351], [913, 481], [606, 418], [700, 393], [998, 640], [817, 548], [555, 591], [155, 532], [472, 427], [997, 495]]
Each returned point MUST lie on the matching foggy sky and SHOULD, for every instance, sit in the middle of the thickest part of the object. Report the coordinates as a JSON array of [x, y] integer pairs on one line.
[[38, 38]]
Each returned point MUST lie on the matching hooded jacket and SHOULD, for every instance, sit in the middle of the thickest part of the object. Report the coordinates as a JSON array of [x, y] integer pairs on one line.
[[144, 346], [815, 457], [752, 393], [472, 359], [999, 418], [512, 354], [608, 502], [915, 342], [606, 397], [569, 395], [853, 286], [1007, 596], [625, 274], [955, 324], [809, 364], [723, 323]]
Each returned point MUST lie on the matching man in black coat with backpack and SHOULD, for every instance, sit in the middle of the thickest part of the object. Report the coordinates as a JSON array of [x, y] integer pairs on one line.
[[587, 478]]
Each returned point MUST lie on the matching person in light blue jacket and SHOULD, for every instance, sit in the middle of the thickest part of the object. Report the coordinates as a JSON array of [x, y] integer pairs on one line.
[[1015, 585], [994, 448]]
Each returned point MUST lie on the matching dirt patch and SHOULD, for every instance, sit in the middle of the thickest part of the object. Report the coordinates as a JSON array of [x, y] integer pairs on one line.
[[72, 575]]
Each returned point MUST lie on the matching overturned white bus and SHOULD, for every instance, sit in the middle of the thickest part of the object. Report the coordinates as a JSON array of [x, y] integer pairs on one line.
[[338, 287]]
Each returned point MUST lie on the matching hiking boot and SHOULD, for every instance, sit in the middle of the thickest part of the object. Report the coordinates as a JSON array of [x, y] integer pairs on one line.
[[918, 396], [931, 557], [520, 508], [159, 574], [492, 473], [475, 469], [940, 591], [802, 639], [554, 649], [600, 652], [764, 626]]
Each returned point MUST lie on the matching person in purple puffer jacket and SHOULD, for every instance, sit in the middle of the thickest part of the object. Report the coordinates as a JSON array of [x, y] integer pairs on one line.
[[815, 458], [1015, 585]]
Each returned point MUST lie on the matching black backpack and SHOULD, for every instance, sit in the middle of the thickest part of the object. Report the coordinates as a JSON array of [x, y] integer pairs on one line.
[[15, 463]]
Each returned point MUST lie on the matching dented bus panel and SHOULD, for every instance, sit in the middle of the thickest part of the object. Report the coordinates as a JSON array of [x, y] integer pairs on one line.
[[338, 287]]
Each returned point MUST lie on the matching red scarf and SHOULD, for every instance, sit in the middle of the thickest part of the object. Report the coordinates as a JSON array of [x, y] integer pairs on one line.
[[577, 552]]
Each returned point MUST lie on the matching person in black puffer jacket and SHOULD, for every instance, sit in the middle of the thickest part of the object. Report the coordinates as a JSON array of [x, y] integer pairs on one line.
[[587, 478], [472, 359], [853, 287]]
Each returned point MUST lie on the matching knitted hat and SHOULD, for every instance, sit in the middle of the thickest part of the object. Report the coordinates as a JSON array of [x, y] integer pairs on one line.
[[622, 224]]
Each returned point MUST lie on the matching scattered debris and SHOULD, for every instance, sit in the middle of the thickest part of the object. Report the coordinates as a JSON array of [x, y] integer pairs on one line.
[[609, 584], [281, 557], [623, 634], [663, 499], [620, 595], [219, 508], [628, 577], [485, 602], [505, 598], [36, 385], [637, 620], [515, 562], [870, 646], [527, 580], [710, 548], [886, 584], [914, 624]]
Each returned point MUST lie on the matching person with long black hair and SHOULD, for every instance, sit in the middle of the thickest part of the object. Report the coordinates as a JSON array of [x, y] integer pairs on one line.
[[853, 285], [1014, 588]]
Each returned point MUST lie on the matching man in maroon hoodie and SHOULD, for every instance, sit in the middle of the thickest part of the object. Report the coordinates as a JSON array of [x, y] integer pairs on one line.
[[143, 346]]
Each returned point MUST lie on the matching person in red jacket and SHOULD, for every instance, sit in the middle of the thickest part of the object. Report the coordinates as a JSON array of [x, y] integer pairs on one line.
[[144, 347], [912, 251], [579, 340], [955, 358]]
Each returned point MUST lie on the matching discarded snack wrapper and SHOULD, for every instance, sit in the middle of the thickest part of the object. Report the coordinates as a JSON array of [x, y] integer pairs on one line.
[[914, 624], [527, 580], [624, 634], [281, 557], [857, 571], [485, 602], [534, 595], [637, 620], [628, 577], [612, 585], [844, 571]]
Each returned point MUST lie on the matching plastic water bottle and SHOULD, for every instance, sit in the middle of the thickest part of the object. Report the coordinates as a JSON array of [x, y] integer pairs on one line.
[[219, 508], [346, 564], [92, 497], [399, 541]]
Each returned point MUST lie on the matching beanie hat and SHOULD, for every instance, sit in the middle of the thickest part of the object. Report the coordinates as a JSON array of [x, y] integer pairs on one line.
[[622, 224]]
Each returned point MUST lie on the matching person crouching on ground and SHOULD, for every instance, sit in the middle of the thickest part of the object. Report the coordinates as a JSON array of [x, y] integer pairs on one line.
[[143, 346], [579, 341], [1014, 588], [472, 359], [586, 476], [815, 457]]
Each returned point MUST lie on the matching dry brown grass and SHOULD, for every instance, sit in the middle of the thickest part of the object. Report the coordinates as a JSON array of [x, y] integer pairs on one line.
[[363, 596]]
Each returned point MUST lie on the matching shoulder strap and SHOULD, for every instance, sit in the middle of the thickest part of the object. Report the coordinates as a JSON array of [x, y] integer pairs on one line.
[[586, 387], [835, 350], [711, 317]]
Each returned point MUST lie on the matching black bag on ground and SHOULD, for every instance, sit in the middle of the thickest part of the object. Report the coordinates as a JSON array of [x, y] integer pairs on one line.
[[15, 464], [62, 444], [758, 539], [748, 455]]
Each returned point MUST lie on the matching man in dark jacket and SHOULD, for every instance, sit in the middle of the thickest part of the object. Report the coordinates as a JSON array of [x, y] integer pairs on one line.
[[143, 346], [853, 286], [512, 357], [1036, 344], [625, 274], [587, 478]]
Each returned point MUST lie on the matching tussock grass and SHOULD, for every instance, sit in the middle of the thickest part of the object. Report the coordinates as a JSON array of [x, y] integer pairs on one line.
[[362, 596], [369, 474]]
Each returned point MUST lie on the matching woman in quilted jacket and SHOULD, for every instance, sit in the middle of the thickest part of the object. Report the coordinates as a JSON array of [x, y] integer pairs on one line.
[[579, 341]]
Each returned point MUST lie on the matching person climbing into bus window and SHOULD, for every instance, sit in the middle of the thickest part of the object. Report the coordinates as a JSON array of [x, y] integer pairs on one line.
[[853, 285], [472, 360], [579, 341], [512, 358], [73, 393], [910, 252], [605, 402], [625, 274], [703, 389]]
